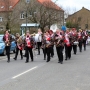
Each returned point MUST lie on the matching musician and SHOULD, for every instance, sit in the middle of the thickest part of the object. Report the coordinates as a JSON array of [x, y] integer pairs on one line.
[[48, 44], [52, 39], [7, 38], [85, 36], [19, 46], [74, 40], [43, 46], [68, 45], [80, 40], [29, 44], [59, 42]]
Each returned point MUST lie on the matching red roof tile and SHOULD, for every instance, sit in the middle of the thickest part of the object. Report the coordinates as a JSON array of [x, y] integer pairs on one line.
[[50, 4], [6, 5]]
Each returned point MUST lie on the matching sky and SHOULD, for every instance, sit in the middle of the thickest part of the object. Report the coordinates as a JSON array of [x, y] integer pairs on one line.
[[73, 5]]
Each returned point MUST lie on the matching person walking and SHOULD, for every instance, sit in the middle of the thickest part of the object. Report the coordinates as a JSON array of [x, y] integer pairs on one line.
[[29, 44], [48, 44], [19, 46], [39, 41], [68, 45], [80, 40], [59, 42], [7, 38]]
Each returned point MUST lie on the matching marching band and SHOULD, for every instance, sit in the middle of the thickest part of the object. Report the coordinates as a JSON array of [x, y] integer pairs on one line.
[[63, 41]]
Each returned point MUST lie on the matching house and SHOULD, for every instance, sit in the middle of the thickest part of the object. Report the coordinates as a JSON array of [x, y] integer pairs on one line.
[[15, 12], [80, 18]]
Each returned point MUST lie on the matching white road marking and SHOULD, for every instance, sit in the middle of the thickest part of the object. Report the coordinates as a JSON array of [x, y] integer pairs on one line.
[[24, 72]]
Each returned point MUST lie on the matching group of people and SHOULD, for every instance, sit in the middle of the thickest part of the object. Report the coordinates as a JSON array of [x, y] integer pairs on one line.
[[68, 40]]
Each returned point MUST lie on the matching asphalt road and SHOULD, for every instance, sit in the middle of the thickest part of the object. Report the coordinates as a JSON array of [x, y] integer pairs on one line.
[[73, 74]]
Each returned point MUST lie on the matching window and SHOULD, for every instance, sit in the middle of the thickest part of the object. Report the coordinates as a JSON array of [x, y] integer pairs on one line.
[[79, 19], [27, 1], [2, 6], [86, 25], [22, 16], [1, 19], [1, 28], [10, 6]]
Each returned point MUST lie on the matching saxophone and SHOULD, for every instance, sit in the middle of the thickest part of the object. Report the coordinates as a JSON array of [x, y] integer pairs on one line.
[[7, 42]]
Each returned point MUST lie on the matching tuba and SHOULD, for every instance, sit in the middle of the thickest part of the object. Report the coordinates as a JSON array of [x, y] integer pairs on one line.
[[58, 43], [48, 45]]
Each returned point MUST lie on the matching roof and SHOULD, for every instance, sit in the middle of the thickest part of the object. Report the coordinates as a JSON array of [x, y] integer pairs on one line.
[[30, 25], [79, 11], [6, 5], [50, 4]]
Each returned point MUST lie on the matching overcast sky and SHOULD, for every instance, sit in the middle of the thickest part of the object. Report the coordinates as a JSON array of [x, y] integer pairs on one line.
[[73, 4]]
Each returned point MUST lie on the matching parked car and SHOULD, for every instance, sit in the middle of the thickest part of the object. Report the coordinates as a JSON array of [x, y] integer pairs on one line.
[[2, 45]]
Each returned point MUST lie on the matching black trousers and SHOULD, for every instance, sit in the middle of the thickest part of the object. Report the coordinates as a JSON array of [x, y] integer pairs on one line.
[[25, 51], [48, 51], [75, 49], [68, 50], [38, 46], [29, 50], [80, 46], [17, 50], [44, 52], [8, 52], [60, 53], [84, 44], [52, 50]]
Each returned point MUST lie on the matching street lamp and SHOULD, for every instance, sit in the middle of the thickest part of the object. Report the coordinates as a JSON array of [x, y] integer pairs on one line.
[[27, 2], [26, 20]]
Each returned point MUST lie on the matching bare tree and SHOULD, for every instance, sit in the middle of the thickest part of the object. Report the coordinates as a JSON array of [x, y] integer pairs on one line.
[[45, 14]]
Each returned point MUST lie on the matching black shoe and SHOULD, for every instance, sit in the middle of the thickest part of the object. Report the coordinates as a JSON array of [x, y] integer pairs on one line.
[[26, 61], [8, 61], [52, 56], [24, 55], [32, 60], [69, 58], [47, 61], [44, 58], [14, 58], [59, 62], [80, 50], [66, 59]]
